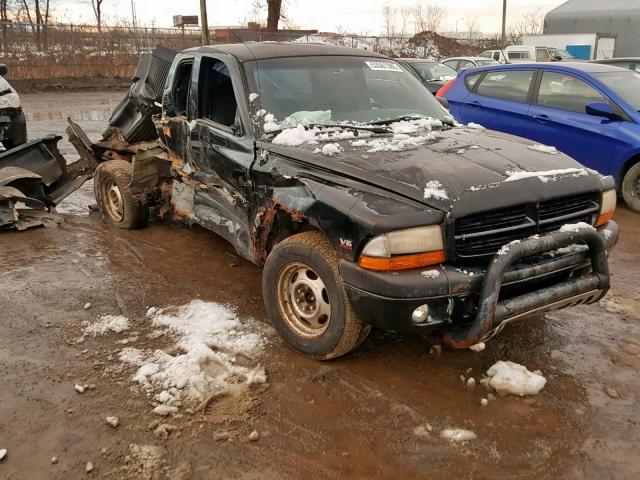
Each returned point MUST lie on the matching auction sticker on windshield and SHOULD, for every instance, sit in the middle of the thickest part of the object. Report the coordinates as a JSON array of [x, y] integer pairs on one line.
[[386, 66]]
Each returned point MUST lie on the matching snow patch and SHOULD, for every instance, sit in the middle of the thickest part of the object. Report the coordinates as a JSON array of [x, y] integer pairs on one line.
[[431, 274], [108, 323], [457, 435], [512, 378], [435, 190], [505, 248], [543, 148], [545, 176], [331, 149], [475, 126], [253, 97], [574, 227], [209, 339]]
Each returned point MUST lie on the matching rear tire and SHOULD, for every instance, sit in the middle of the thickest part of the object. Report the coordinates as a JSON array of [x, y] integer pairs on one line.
[[631, 187], [117, 205], [306, 300]]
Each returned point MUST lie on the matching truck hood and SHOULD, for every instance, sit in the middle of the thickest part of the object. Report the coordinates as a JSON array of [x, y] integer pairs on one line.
[[459, 164]]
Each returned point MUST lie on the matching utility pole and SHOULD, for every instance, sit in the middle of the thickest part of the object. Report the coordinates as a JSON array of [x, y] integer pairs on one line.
[[205, 22], [504, 24]]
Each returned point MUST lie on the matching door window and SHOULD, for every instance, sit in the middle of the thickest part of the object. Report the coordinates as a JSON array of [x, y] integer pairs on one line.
[[182, 88], [216, 98], [558, 90], [496, 56], [510, 85], [542, 55], [518, 55], [452, 64]]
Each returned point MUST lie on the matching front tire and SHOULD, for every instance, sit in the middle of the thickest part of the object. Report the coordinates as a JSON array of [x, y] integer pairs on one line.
[[117, 205], [306, 300], [631, 187]]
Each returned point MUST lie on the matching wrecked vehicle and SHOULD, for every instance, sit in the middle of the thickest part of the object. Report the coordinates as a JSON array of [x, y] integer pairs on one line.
[[34, 178], [365, 203], [13, 125]]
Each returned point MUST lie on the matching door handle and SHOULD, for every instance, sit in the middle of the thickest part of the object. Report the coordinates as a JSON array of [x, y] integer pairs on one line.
[[541, 118]]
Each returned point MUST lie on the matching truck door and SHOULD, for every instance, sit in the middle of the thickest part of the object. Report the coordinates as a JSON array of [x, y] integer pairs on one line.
[[221, 153]]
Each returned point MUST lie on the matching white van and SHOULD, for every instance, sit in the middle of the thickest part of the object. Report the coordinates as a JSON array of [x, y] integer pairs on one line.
[[496, 55]]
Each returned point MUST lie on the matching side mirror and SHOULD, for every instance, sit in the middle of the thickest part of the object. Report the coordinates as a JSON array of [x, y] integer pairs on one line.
[[443, 101], [3, 70], [601, 109]]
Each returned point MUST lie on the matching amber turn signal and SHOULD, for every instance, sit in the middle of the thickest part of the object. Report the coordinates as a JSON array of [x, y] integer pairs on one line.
[[402, 262]]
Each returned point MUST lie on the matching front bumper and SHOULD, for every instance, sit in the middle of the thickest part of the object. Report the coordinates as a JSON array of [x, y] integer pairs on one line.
[[472, 304]]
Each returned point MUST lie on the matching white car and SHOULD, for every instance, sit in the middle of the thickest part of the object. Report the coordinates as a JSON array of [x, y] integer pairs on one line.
[[13, 125]]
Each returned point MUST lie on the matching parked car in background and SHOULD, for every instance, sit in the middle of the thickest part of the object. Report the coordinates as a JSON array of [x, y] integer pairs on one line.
[[528, 53], [13, 125], [630, 63], [460, 63], [433, 75], [586, 110], [497, 55]]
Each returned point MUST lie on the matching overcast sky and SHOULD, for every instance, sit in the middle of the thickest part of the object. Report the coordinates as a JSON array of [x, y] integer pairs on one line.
[[358, 16]]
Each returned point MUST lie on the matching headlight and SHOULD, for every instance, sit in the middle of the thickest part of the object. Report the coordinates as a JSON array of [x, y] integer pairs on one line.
[[404, 249], [10, 100], [607, 207]]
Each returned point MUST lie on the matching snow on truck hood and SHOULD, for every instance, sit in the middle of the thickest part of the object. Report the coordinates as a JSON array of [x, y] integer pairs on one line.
[[443, 167]]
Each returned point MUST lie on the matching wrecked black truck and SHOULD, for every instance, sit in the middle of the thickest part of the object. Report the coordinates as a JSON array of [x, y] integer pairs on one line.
[[365, 203]]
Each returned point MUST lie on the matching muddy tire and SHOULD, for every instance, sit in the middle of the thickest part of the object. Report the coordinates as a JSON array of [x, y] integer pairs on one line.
[[306, 300], [117, 205], [631, 187]]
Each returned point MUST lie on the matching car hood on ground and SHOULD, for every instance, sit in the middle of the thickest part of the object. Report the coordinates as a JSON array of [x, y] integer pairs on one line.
[[464, 163]]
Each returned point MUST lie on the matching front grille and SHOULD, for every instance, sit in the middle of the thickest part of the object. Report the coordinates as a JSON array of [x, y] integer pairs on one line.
[[482, 234]]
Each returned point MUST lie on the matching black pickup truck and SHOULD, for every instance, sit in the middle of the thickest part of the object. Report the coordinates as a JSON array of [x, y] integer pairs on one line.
[[367, 205]]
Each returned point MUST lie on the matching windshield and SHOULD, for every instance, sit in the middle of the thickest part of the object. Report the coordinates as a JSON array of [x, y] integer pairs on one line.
[[339, 89], [625, 84], [430, 71], [557, 52]]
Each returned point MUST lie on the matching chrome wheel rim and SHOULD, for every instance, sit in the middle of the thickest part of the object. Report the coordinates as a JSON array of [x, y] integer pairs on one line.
[[303, 300], [113, 200]]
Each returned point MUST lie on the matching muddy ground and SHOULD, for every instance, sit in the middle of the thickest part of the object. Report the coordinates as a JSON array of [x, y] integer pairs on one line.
[[350, 418]]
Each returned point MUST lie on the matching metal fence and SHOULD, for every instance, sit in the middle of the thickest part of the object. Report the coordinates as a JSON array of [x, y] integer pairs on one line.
[[79, 51]]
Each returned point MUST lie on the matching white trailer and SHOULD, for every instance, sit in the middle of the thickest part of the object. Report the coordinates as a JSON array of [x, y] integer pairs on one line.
[[584, 46]]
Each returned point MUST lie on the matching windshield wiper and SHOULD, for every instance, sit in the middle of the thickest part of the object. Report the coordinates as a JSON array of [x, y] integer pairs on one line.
[[397, 119], [365, 128], [445, 121]]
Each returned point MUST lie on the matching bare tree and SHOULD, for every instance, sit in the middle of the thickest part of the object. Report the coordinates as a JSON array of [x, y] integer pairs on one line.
[[428, 18], [274, 14], [531, 23], [96, 6], [38, 9], [405, 17], [472, 26]]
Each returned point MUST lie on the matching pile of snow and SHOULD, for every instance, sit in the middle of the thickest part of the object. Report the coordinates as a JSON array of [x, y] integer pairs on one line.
[[435, 190], [331, 149], [204, 362], [270, 123], [431, 274], [514, 379], [106, 323], [543, 148], [545, 176], [574, 227], [475, 126], [457, 435], [253, 97]]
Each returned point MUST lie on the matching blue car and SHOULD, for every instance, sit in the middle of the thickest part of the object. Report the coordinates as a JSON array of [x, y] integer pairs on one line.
[[587, 111]]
